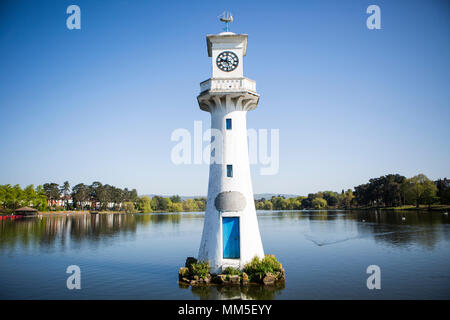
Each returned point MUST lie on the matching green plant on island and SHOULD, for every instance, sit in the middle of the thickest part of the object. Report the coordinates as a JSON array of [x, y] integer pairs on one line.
[[199, 268], [232, 271], [258, 268]]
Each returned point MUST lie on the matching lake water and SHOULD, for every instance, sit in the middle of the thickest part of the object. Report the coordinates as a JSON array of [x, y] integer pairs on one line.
[[325, 255]]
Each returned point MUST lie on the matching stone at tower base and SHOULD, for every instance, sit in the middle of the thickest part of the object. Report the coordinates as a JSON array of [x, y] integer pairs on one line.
[[266, 271]]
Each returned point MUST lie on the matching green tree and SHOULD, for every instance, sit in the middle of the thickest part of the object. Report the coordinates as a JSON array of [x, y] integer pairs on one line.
[[294, 204], [201, 203], [52, 192], [80, 195], [419, 190], [106, 196], [18, 196], [331, 198], [3, 196], [96, 193], [307, 203], [190, 205], [319, 203], [346, 198], [133, 196], [128, 207], [29, 195], [268, 205], [7, 197], [175, 207], [117, 197], [143, 204], [259, 204], [164, 204], [154, 203], [65, 192], [382, 191], [443, 186], [40, 200], [13, 197], [279, 203]]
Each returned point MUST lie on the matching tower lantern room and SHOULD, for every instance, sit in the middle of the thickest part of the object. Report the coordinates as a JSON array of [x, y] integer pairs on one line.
[[227, 42]]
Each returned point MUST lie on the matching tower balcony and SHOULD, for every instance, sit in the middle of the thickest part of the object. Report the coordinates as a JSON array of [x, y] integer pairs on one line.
[[228, 94], [228, 85]]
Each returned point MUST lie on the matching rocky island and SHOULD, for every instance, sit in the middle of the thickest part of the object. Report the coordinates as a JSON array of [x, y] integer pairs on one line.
[[266, 271]]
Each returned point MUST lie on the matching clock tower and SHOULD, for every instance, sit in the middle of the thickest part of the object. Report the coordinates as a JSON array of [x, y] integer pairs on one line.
[[230, 233]]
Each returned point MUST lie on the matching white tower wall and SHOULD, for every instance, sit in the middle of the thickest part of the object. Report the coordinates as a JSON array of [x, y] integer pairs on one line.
[[229, 97]]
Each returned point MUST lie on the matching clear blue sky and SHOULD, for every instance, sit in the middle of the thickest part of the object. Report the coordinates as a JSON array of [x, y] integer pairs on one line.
[[101, 103]]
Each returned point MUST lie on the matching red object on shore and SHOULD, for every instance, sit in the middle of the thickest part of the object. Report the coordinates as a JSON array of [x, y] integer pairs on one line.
[[13, 217]]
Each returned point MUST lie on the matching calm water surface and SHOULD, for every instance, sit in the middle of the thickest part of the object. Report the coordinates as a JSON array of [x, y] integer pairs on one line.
[[325, 255]]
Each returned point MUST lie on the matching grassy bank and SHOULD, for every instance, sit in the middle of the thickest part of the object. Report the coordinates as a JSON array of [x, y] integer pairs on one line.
[[435, 207]]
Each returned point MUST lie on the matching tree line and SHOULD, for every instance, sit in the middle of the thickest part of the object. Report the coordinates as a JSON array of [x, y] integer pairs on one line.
[[392, 190], [172, 204], [96, 196], [13, 197]]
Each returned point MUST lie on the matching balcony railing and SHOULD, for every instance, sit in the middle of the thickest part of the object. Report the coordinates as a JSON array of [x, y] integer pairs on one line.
[[223, 84]]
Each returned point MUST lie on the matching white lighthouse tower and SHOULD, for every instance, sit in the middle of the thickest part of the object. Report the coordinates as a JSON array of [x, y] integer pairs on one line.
[[230, 233]]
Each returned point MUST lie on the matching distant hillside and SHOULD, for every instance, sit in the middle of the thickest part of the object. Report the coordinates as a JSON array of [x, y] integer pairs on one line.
[[256, 196], [168, 196], [270, 195]]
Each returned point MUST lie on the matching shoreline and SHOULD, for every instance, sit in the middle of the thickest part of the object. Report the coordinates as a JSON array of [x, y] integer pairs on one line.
[[433, 208]]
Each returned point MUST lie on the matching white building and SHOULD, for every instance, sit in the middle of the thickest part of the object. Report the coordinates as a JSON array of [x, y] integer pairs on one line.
[[230, 233]]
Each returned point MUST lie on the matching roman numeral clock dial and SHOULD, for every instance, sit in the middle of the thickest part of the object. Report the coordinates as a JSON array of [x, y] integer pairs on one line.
[[227, 61]]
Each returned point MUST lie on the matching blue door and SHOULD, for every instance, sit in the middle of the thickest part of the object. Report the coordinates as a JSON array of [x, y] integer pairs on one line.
[[230, 231]]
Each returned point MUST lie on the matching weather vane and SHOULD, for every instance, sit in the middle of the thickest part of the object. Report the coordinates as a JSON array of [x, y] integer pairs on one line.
[[226, 17]]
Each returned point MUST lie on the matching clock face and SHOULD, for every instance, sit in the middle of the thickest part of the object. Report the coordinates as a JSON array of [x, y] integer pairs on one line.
[[227, 61]]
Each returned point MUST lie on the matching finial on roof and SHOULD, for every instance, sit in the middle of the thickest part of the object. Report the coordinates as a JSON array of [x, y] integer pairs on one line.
[[226, 17]]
